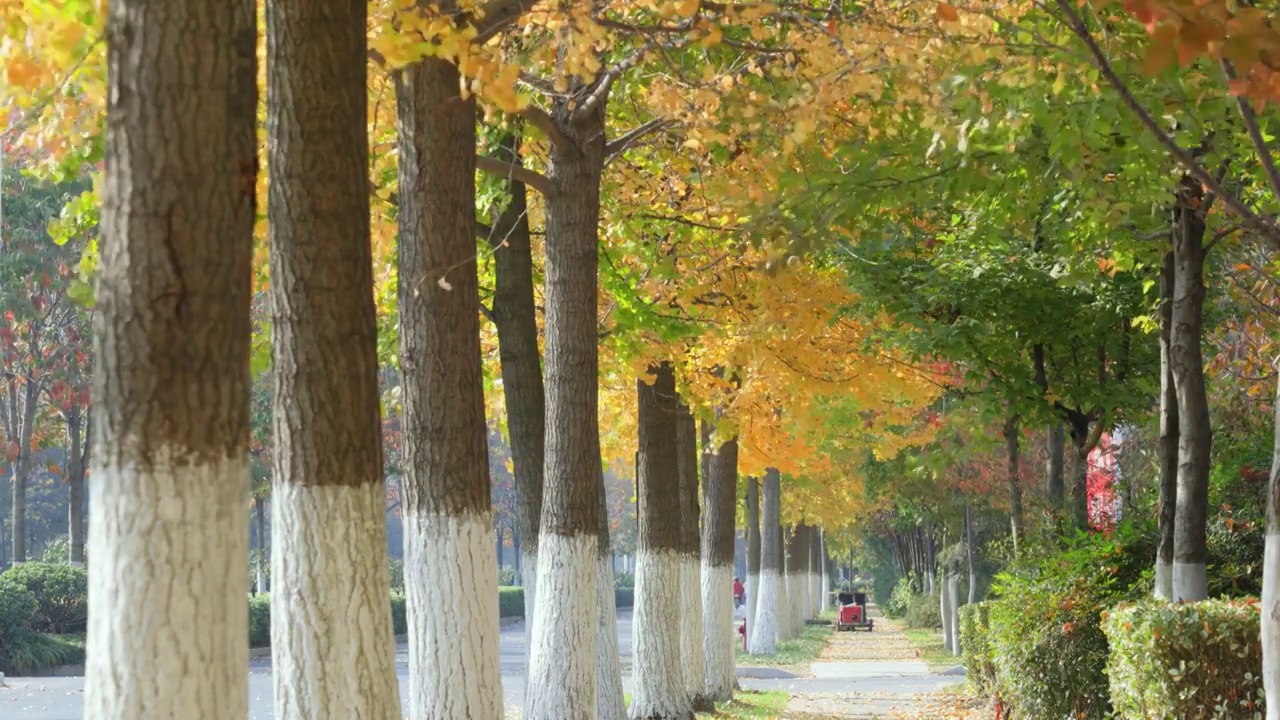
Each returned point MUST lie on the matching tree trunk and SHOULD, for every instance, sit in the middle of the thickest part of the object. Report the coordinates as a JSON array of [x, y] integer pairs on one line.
[[719, 494], [20, 425], [659, 690], [609, 695], [498, 532], [1080, 475], [1054, 488], [795, 561], [1014, 476], [171, 379], [968, 552], [261, 583], [562, 675], [451, 576], [824, 603], [1168, 447], [690, 570], [815, 571], [1270, 602], [329, 614], [952, 589], [75, 484], [21, 469], [764, 636], [753, 555], [1195, 437], [944, 612], [515, 317]]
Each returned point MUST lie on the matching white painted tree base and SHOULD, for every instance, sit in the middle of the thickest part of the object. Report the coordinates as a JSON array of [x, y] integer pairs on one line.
[[784, 608], [1164, 581], [795, 602], [562, 673], [612, 701], [332, 643], [764, 639], [718, 636], [659, 689], [168, 589], [451, 595], [529, 576], [815, 595], [691, 631], [1190, 582], [1270, 608], [752, 589]]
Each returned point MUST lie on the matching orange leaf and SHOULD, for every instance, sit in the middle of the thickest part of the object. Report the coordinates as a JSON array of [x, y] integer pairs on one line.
[[947, 13]]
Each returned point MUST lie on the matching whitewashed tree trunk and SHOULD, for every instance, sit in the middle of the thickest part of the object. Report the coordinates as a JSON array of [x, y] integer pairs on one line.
[[953, 617], [529, 576], [332, 642], [451, 597], [763, 635], [690, 563], [718, 631], [720, 505], [562, 679], [612, 701], [660, 689], [168, 589], [944, 613], [784, 593], [1270, 601], [752, 587]]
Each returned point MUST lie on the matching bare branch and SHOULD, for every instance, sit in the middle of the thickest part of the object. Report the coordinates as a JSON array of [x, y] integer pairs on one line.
[[511, 171], [496, 15], [625, 141], [1265, 228], [542, 120]]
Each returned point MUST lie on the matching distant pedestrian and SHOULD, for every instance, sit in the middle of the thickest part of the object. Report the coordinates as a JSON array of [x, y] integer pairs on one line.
[[739, 593]]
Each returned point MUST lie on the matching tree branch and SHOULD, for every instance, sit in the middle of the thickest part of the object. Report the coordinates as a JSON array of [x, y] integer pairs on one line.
[[1194, 168], [542, 120], [511, 171], [496, 15], [624, 142], [1255, 134]]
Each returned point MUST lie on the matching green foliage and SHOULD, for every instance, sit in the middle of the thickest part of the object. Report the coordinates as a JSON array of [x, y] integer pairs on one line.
[[507, 576], [899, 600], [399, 615], [1190, 661], [975, 646], [510, 602], [924, 613], [61, 596], [260, 620], [624, 597], [17, 612], [36, 652], [883, 588], [396, 566], [624, 580]]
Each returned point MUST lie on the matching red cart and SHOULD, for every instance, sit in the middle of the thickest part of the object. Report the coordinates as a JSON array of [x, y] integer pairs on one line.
[[853, 612]]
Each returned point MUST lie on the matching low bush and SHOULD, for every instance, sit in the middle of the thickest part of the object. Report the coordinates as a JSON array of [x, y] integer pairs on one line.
[[624, 597], [260, 620], [1192, 661], [61, 595], [396, 567], [17, 612], [507, 577], [924, 613], [975, 645], [399, 616], [624, 580], [510, 602], [39, 652], [900, 599]]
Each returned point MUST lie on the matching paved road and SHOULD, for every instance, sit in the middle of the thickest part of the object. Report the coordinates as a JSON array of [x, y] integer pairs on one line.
[[61, 698]]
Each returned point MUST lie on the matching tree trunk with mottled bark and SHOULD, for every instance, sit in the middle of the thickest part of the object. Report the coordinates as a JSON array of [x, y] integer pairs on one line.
[[690, 562], [451, 576], [609, 696], [719, 493], [1168, 445], [170, 424], [753, 555], [660, 690], [1195, 435]]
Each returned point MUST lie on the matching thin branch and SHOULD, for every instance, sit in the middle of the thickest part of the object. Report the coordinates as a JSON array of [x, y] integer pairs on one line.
[[1255, 134], [542, 120], [511, 171], [624, 142], [1265, 228], [496, 15]]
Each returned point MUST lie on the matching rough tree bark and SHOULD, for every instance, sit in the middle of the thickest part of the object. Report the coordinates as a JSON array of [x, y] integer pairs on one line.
[[332, 648], [1054, 487], [784, 587], [77, 457], [171, 379], [515, 317], [261, 582], [451, 576], [690, 570], [659, 690], [1270, 601], [1195, 436], [609, 694], [719, 493], [1168, 446], [795, 561], [753, 555], [764, 639], [562, 675]]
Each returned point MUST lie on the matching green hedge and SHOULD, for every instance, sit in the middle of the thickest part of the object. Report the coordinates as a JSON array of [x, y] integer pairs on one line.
[[975, 645], [260, 620], [624, 597], [22, 650], [1191, 661], [510, 602], [61, 596]]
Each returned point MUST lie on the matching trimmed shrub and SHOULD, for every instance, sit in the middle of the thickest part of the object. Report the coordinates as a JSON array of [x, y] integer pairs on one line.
[[624, 580], [975, 646], [17, 612], [260, 620], [624, 597], [924, 613], [399, 616], [1191, 661], [61, 596], [506, 577], [510, 602], [396, 567]]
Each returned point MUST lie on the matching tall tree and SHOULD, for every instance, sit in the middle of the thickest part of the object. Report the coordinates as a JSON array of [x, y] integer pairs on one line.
[[451, 573], [719, 495], [171, 381], [690, 570], [329, 613], [660, 689]]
